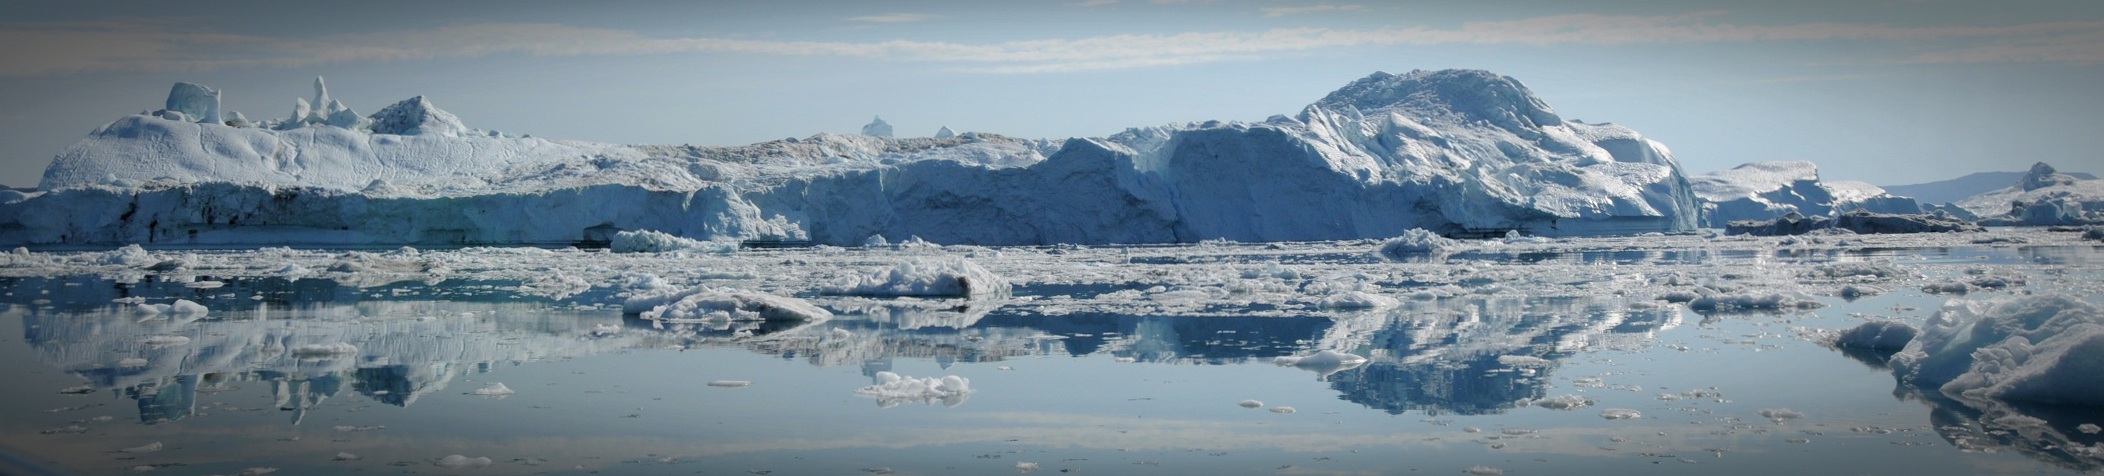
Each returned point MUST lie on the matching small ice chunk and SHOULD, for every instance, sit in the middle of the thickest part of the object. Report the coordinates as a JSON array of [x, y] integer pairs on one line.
[[2088, 428], [458, 461], [892, 389], [704, 304], [494, 389], [324, 350], [1484, 471], [187, 309], [1886, 336], [1779, 415], [341, 456], [1562, 402], [730, 383], [132, 362], [165, 341], [1417, 242], [1620, 414], [1025, 467], [647, 241], [1251, 404], [146, 448], [258, 471], [1282, 410]]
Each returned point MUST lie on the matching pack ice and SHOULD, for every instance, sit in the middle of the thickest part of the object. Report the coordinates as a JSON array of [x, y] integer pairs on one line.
[[1454, 152]]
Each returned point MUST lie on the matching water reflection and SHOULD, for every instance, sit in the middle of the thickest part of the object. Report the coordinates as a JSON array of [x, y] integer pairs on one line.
[[393, 352], [2066, 436]]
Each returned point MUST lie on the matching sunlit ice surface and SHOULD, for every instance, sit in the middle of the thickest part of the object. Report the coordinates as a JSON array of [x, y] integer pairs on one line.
[[1650, 354]]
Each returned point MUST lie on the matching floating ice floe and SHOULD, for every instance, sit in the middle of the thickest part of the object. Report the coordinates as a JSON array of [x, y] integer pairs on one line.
[[1620, 414], [1417, 242], [892, 389], [2045, 349], [730, 383], [944, 277], [458, 461], [705, 304], [1484, 471], [1025, 467], [147, 448], [184, 308], [1251, 404], [1780, 415], [1282, 410], [1562, 402]]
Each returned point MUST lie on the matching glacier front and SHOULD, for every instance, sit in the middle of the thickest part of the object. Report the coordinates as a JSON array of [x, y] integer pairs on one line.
[[1457, 152]]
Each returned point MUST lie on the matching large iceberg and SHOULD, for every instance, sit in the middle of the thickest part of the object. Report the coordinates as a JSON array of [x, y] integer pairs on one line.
[[2043, 197], [1768, 190], [1456, 152]]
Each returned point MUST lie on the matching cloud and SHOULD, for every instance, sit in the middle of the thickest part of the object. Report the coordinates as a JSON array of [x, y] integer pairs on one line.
[[1092, 3], [157, 45], [893, 18], [1317, 8]]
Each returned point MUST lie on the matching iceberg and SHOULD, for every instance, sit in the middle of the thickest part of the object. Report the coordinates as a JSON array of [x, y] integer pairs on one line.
[[2037, 349], [1454, 152], [1769, 190], [2043, 197]]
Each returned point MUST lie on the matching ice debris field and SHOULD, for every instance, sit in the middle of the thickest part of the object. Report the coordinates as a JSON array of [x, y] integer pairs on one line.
[[1428, 271]]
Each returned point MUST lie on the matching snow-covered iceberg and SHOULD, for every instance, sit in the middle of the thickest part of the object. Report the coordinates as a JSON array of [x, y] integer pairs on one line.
[[2043, 197], [1457, 152], [1768, 190], [2040, 349]]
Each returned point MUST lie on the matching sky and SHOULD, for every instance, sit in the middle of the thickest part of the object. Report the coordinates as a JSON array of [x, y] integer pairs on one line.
[[1887, 92]]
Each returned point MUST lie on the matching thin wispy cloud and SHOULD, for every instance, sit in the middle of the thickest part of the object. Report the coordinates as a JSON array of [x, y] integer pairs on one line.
[[1317, 8], [893, 18], [139, 46]]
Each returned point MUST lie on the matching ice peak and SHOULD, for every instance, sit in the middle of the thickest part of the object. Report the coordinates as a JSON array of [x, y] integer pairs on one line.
[[877, 127], [416, 116], [2042, 176], [1466, 94], [945, 133], [195, 101]]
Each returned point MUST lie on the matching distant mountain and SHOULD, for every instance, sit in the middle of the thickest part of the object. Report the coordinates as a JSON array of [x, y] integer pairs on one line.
[[1953, 190]]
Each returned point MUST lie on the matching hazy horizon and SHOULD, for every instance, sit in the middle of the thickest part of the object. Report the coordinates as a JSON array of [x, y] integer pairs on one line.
[[1882, 92]]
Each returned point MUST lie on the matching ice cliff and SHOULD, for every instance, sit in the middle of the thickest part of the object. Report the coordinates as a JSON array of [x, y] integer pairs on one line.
[[1767, 190], [1455, 152]]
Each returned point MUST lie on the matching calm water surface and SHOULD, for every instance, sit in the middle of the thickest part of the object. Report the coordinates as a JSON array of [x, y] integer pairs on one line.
[[1448, 387]]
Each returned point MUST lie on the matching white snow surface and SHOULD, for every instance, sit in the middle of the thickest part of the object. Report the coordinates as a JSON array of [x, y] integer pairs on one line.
[[1454, 151], [2041, 348]]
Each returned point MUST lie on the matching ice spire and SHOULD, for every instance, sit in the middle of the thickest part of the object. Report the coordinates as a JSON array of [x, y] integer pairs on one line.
[[878, 128]]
